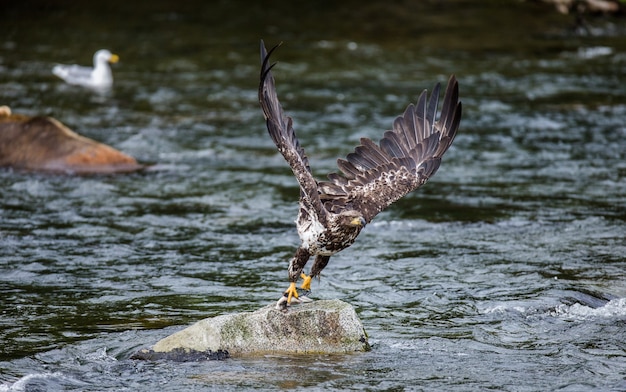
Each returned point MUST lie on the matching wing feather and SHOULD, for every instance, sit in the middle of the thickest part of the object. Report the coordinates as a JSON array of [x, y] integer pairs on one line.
[[280, 128], [376, 152], [419, 118], [374, 175], [393, 145], [407, 156], [360, 159], [432, 104], [407, 127], [348, 169]]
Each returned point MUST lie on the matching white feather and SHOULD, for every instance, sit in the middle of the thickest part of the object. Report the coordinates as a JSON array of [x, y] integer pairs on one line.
[[99, 77]]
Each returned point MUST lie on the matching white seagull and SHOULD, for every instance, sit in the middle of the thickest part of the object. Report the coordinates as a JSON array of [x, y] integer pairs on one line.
[[98, 77]]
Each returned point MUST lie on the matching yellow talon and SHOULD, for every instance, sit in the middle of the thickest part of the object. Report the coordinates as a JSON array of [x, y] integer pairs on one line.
[[291, 292], [306, 283]]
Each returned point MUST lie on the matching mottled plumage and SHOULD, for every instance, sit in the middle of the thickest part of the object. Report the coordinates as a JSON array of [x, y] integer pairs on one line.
[[332, 213]]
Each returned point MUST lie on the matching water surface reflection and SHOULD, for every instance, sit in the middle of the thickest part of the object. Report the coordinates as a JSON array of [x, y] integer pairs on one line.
[[505, 272]]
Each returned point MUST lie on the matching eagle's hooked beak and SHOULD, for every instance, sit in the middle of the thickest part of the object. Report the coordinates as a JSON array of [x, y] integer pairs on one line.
[[358, 221]]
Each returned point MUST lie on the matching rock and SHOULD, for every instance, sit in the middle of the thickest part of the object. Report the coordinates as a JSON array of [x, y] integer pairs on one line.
[[586, 6], [44, 144], [320, 327], [181, 355]]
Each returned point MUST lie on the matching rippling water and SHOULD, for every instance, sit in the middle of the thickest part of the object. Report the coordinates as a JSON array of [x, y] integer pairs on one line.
[[505, 272]]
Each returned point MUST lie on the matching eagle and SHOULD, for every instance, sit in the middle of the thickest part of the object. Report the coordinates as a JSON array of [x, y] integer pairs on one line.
[[332, 213]]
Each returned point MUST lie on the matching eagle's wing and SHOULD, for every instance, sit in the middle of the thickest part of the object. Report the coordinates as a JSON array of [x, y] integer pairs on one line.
[[376, 175], [280, 128]]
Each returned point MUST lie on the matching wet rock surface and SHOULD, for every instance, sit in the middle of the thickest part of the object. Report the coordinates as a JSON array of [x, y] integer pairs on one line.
[[46, 145], [181, 355], [320, 327]]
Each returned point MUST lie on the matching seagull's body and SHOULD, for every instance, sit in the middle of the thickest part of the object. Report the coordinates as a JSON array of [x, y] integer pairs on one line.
[[99, 76]]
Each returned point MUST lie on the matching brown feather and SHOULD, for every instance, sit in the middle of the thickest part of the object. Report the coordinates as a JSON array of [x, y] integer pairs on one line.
[[414, 146], [280, 128], [372, 176]]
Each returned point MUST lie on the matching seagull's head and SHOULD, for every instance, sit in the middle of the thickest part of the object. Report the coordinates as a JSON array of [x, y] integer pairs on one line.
[[105, 56]]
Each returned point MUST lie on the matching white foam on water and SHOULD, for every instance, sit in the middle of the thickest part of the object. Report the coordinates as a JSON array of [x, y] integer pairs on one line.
[[615, 308], [500, 309], [28, 380], [595, 51]]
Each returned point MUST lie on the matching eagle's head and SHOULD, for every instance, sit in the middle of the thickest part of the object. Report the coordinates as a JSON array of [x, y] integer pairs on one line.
[[351, 220]]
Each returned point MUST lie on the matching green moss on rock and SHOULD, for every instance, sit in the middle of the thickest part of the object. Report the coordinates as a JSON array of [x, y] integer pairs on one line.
[[320, 327]]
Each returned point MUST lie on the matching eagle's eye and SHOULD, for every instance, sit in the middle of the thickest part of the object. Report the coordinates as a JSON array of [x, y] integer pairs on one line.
[[358, 221]]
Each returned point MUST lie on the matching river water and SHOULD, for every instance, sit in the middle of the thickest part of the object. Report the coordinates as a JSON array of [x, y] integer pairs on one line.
[[507, 271]]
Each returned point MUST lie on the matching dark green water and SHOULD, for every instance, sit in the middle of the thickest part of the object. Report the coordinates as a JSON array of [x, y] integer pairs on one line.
[[507, 271]]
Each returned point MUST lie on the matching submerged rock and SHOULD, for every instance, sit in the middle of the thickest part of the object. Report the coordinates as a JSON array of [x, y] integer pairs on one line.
[[44, 144], [320, 327], [181, 355]]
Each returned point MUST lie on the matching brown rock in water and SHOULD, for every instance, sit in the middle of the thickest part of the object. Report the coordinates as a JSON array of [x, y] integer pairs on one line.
[[587, 6], [44, 144], [319, 327]]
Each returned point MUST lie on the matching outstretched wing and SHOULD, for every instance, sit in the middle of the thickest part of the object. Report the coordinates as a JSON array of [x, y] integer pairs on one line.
[[376, 175], [280, 128]]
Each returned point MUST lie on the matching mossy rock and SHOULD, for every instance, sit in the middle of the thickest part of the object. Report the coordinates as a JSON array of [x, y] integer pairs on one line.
[[319, 327]]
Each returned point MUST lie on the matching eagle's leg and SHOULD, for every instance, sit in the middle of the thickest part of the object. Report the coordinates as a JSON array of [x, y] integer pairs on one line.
[[306, 281], [320, 263], [290, 293], [318, 266], [296, 265]]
